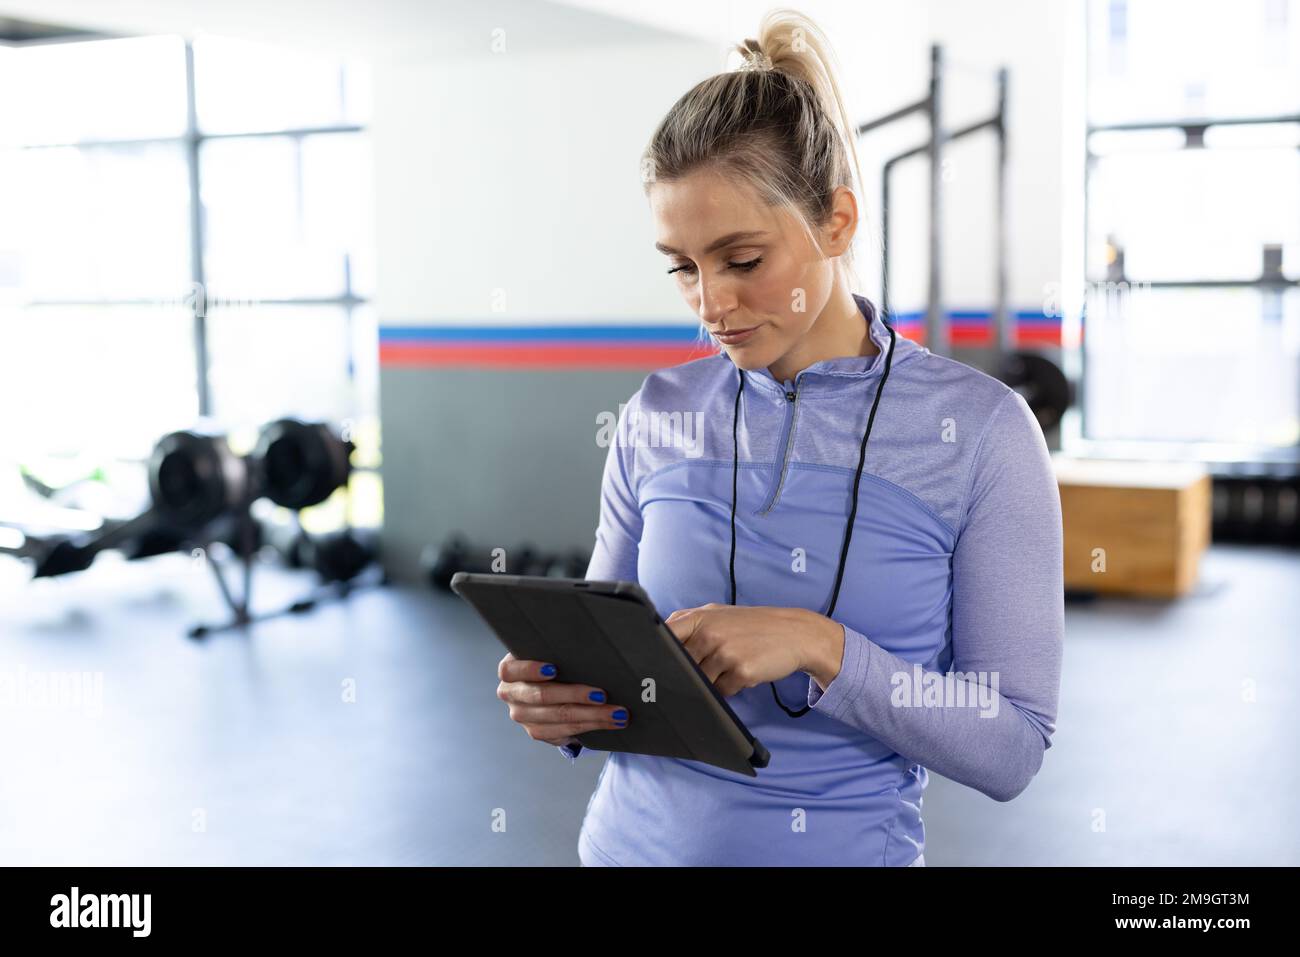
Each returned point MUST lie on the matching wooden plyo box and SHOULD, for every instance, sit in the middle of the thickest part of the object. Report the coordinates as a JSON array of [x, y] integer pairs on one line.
[[1133, 528]]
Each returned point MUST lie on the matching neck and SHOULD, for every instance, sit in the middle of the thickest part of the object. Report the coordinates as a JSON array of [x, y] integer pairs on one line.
[[840, 330]]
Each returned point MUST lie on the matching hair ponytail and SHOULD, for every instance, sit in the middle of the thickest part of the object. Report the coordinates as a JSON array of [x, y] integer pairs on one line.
[[798, 47]]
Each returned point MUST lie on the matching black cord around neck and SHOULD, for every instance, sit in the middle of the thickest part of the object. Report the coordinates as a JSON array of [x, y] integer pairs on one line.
[[853, 508]]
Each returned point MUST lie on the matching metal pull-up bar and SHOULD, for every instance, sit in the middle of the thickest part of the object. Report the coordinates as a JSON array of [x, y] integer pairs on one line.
[[937, 335]]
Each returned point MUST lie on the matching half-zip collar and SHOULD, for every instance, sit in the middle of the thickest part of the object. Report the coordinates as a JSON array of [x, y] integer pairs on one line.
[[834, 374]]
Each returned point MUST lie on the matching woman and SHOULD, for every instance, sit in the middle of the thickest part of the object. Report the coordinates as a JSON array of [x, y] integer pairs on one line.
[[903, 602]]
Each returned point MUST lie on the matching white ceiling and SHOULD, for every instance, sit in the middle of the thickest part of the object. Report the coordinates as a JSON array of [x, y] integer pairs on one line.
[[402, 29]]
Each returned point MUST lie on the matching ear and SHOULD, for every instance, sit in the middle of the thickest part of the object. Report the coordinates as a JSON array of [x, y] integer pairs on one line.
[[837, 234]]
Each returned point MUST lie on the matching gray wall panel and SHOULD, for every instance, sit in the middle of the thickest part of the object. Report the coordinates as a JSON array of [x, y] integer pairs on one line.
[[503, 456]]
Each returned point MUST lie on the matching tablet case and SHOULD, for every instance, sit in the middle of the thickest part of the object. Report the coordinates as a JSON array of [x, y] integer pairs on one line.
[[609, 635]]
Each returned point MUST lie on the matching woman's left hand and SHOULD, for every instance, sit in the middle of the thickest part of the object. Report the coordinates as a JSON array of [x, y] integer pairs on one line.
[[740, 646]]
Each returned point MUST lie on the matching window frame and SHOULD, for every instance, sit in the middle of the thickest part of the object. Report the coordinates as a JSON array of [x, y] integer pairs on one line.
[[1219, 456]]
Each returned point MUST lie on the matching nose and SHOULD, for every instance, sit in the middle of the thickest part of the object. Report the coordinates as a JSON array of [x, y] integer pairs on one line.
[[716, 303]]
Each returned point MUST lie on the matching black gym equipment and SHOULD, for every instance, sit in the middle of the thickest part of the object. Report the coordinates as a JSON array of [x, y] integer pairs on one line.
[[1042, 383], [202, 494], [456, 554], [154, 540], [1255, 507], [440, 562], [340, 556], [58, 554], [294, 464], [568, 565], [301, 464], [64, 553], [1032, 374], [194, 479], [63, 534]]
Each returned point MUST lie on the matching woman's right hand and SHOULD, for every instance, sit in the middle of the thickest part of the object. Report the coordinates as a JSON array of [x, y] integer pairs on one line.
[[553, 711]]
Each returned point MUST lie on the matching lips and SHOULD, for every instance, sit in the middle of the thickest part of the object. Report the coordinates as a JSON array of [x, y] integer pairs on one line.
[[735, 336]]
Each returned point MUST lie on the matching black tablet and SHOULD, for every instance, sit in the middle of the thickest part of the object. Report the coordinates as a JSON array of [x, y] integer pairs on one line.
[[608, 634]]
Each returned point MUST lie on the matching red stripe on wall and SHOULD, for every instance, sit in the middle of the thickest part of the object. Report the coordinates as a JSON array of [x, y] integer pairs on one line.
[[1027, 334], [1039, 335]]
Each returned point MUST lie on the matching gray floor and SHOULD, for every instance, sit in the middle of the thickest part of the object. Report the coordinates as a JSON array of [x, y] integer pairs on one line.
[[242, 749]]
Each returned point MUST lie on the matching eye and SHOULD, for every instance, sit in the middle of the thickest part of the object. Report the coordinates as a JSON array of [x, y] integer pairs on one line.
[[742, 267]]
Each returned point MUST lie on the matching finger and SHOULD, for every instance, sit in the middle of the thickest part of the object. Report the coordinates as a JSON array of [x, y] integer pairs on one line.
[[544, 732], [730, 679], [515, 669], [683, 623], [567, 715], [713, 668], [501, 665], [694, 634], [550, 693], [727, 685], [554, 732], [695, 648]]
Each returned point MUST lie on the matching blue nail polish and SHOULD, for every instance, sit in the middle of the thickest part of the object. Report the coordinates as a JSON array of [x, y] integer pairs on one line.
[[597, 696], [548, 670], [620, 724], [620, 715]]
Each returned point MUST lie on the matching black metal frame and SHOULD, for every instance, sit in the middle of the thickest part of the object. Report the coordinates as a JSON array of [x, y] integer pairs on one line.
[[937, 335]]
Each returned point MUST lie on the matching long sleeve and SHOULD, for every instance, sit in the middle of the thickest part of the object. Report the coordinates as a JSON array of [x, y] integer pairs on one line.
[[618, 532], [571, 751], [1008, 622]]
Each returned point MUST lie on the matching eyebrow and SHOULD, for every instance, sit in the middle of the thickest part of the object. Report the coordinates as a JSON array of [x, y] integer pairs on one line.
[[718, 243]]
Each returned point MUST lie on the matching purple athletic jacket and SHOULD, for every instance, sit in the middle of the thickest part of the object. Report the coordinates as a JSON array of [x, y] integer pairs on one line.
[[952, 600]]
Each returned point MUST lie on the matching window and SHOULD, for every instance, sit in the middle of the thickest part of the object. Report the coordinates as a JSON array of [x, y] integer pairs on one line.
[[121, 160], [1192, 330]]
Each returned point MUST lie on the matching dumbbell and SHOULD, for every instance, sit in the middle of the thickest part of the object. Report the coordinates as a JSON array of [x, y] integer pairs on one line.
[[440, 562], [339, 556], [571, 564], [457, 555], [527, 560]]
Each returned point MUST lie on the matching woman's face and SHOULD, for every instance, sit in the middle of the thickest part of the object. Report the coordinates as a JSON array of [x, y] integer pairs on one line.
[[748, 270]]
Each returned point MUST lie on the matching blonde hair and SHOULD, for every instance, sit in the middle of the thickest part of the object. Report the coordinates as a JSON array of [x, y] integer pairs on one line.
[[784, 132]]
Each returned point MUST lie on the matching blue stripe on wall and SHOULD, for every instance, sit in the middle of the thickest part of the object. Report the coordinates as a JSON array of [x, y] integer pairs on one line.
[[979, 315]]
